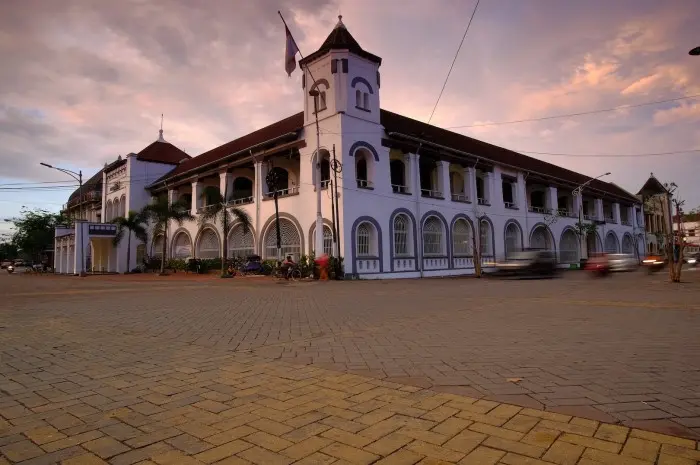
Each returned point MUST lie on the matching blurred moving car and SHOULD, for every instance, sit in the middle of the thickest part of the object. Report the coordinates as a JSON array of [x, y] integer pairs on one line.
[[599, 264], [529, 262], [654, 263], [622, 262], [692, 259]]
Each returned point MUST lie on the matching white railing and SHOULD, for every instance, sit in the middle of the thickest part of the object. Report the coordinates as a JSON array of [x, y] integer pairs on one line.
[[610, 219], [543, 210], [367, 265], [241, 201], [325, 183], [463, 262], [626, 222], [430, 193], [364, 184], [399, 189], [586, 216], [483, 201], [206, 207], [436, 263], [404, 264], [460, 198], [510, 205], [283, 192]]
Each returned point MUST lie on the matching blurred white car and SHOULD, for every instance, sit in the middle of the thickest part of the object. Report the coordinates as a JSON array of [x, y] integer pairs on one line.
[[623, 262]]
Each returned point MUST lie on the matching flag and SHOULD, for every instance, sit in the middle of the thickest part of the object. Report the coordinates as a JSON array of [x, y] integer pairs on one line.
[[290, 52]]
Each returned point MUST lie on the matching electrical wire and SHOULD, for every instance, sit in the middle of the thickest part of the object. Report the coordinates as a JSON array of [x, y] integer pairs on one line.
[[453, 62], [568, 115]]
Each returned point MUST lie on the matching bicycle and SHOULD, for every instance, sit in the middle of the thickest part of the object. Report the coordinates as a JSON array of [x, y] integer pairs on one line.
[[293, 273]]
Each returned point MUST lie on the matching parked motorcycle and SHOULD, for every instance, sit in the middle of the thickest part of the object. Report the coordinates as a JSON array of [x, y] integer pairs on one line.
[[10, 269]]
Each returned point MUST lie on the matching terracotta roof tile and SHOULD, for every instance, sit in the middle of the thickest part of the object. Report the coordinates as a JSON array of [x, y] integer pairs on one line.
[[162, 152], [341, 39]]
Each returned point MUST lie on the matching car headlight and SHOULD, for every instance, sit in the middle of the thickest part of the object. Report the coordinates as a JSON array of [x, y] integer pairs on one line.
[[692, 260]]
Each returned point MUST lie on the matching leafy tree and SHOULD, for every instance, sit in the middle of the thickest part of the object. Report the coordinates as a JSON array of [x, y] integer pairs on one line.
[[218, 209], [132, 223], [8, 251], [160, 213], [34, 231]]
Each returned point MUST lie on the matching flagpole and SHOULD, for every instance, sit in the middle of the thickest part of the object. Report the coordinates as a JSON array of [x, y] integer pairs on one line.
[[318, 240]]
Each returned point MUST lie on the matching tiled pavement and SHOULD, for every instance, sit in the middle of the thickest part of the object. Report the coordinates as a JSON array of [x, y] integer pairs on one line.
[[121, 375]]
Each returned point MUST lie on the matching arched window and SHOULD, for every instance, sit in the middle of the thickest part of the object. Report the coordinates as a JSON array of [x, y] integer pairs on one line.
[[627, 244], [182, 247], [611, 243], [327, 240], [541, 239], [116, 209], [363, 168], [398, 175], [433, 243], [242, 188], [158, 246], [282, 179], [592, 243], [123, 206], [290, 240], [537, 199], [513, 239], [462, 240], [485, 236], [325, 172], [569, 247], [366, 241], [208, 246], [402, 236], [108, 211], [358, 98], [240, 244]]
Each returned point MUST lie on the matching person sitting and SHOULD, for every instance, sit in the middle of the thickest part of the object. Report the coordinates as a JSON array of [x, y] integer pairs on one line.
[[287, 266]]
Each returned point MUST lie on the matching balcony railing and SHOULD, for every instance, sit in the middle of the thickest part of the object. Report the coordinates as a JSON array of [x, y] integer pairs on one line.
[[586, 216], [610, 219], [364, 184], [510, 205], [481, 201], [325, 183], [105, 229], [543, 210], [88, 196], [457, 197], [399, 189], [566, 212], [431, 193], [626, 222], [204, 208], [241, 201], [283, 192]]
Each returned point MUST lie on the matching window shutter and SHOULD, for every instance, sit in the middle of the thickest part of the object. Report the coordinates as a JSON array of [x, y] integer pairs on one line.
[[345, 65], [334, 66]]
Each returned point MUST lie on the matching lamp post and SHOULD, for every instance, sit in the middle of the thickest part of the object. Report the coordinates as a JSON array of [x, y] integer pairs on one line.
[[694, 52], [578, 192], [78, 177]]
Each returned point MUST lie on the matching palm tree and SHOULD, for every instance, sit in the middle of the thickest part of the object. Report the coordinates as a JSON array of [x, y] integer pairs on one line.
[[134, 223], [218, 209], [160, 213]]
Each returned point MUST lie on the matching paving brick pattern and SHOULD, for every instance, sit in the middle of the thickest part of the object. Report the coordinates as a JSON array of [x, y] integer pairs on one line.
[[122, 373]]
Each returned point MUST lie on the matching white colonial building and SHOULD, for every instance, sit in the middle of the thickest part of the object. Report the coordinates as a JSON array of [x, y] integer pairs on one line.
[[411, 196]]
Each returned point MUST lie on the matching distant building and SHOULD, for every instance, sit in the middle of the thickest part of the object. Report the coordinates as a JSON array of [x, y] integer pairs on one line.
[[656, 200], [413, 198]]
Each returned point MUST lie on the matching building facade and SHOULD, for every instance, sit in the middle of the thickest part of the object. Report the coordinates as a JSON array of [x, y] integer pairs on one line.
[[656, 203], [413, 199]]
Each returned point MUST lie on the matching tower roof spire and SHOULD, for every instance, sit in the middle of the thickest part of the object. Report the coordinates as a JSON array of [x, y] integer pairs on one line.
[[160, 133], [341, 39]]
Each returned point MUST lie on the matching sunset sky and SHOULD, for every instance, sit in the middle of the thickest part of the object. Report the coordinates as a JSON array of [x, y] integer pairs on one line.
[[82, 81]]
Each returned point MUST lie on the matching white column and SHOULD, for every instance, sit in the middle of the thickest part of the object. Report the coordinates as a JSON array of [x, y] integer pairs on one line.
[[196, 192], [471, 174], [551, 198], [444, 180], [598, 209], [172, 196], [521, 196], [488, 187], [104, 197], [497, 191], [257, 198], [225, 184], [415, 179], [408, 173], [468, 182], [616, 212]]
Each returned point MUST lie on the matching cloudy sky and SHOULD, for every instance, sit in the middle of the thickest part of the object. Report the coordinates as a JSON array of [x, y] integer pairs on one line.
[[82, 81]]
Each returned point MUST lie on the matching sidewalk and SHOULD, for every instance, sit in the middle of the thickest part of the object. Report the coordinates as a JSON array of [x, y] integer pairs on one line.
[[237, 408]]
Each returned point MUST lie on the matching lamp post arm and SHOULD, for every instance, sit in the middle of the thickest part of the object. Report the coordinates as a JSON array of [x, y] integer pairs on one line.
[[70, 173]]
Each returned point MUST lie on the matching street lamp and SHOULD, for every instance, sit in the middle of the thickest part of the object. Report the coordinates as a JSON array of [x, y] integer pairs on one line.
[[694, 52], [578, 192], [78, 177]]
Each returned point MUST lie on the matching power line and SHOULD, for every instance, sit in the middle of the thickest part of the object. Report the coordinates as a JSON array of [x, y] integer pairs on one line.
[[453, 62], [621, 107]]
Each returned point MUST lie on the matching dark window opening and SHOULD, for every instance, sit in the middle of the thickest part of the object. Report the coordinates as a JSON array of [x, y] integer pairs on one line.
[[507, 192], [242, 188], [537, 199], [398, 173]]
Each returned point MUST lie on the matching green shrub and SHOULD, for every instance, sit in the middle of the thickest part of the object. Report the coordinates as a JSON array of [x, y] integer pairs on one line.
[[176, 264], [268, 266]]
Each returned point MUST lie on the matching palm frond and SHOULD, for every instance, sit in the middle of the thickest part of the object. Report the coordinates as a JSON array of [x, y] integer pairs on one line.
[[119, 235], [243, 218]]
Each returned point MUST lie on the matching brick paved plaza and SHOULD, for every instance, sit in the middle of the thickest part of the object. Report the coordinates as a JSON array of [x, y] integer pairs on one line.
[[188, 370]]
